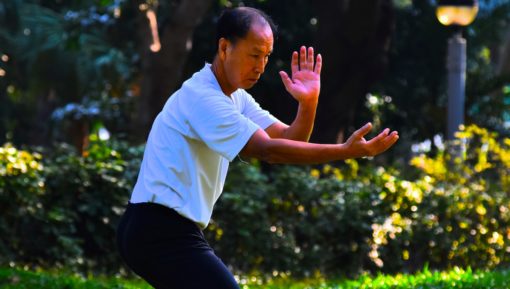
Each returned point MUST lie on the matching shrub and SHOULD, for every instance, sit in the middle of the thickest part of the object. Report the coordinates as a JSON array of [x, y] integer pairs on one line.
[[21, 188], [448, 209], [66, 214], [358, 217], [86, 197], [464, 218]]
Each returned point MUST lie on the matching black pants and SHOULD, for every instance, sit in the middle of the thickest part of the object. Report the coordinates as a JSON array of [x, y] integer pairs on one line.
[[169, 251]]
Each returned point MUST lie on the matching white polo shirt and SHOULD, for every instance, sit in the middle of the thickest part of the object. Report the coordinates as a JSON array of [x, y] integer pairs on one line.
[[192, 140]]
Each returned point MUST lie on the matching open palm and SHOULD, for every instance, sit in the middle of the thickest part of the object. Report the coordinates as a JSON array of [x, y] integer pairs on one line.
[[360, 147], [305, 83]]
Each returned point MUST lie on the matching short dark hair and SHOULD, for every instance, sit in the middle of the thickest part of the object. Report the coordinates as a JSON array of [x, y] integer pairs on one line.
[[234, 23]]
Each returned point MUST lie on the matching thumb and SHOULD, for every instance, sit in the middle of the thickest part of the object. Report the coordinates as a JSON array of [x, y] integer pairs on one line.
[[363, 130], [287, 82]]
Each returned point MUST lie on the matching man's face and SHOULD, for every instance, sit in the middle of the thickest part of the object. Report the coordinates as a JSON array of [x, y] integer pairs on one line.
[[246, 60]]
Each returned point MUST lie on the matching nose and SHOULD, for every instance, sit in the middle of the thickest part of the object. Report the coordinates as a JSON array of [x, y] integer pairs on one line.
[[260, 65]]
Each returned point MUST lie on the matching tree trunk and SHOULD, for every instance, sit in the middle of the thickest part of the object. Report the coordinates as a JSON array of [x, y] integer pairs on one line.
[[162, 70], [353, 36], [46, 103], [3, 113], [503, 66]]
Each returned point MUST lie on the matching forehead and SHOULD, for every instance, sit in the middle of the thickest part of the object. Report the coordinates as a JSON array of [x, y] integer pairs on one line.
[[259, 37]]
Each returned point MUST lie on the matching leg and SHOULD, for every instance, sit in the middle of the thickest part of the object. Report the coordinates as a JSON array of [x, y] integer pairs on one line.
[[169, 251], [203, 270]]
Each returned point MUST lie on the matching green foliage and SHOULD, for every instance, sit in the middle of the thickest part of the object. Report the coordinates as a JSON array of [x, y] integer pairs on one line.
[[82, 52], [450, 209], [359, 217], [464, 212], [416, 78], [65, 215], [59, 54], [87, 200], [21, 187]]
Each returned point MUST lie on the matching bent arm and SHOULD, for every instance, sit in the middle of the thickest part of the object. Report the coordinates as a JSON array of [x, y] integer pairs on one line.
[[265, 148], [300, 129], [284, 151], [304, 86]]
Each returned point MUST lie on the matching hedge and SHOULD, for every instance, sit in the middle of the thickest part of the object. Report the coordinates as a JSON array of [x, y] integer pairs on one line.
[[446, 209]]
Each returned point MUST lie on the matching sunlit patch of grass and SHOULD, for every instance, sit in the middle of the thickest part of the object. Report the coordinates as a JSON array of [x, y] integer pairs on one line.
[[457, 278], [24, 279], [426, 279]]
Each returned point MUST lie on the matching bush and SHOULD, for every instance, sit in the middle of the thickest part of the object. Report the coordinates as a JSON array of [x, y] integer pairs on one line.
[[66, 214], [86, 197], [448, 209], [298, 221], [21, 188], [464, 218], [359, 217]]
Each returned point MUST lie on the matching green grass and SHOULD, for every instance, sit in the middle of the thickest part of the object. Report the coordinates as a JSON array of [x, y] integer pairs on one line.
[[457, 278], [23, 279]]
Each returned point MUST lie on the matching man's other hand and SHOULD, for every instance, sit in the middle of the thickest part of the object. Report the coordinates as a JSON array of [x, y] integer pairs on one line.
[[305, 83]]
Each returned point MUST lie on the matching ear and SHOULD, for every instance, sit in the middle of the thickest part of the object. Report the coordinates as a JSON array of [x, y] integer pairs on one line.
[[223, 47]]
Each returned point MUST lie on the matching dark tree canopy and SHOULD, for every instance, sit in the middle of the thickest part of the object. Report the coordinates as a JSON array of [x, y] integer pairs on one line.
[[71, 67]]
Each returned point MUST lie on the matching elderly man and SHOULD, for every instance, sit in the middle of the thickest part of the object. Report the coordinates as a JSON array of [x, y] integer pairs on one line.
[[203, 126]]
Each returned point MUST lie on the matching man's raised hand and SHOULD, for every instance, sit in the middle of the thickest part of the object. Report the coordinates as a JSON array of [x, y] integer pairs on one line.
[[358, 146], [305, 83]]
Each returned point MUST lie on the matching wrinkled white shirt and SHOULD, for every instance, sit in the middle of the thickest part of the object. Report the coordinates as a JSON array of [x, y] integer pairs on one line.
[[192, 140]]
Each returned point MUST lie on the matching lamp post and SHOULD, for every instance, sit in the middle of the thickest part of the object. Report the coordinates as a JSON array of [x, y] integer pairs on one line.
[[456, 13]]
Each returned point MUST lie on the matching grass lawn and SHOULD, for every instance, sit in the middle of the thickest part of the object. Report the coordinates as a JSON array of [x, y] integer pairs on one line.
[[457, 278]]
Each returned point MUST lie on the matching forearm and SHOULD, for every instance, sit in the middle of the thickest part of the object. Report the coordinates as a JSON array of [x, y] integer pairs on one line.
[[302, 126], [284, 151]]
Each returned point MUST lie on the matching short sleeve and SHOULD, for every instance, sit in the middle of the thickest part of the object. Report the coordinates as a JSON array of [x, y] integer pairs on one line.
[[255, 113], [216, 121]]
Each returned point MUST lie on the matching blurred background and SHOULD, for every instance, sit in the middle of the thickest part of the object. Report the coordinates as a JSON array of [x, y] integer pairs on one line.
[[71, 67], [81, 82]]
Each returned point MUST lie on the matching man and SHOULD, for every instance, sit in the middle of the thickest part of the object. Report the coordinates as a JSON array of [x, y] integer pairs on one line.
[[202, 127]]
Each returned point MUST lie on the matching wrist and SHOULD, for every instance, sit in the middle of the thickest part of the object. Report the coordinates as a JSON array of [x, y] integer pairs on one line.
[[308, 104], [342, 151], [347, 151]]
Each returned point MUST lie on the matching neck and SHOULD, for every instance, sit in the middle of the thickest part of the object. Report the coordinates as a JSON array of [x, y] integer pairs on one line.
[[219, 72]]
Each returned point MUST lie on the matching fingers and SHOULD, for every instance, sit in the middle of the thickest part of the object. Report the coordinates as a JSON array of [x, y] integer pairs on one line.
[[294, 65], [318, 64], [383, 141], [381, 136], [287, 82], [387, 142], [304, 60], [309, 60], [363, 131], [390, 140]]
